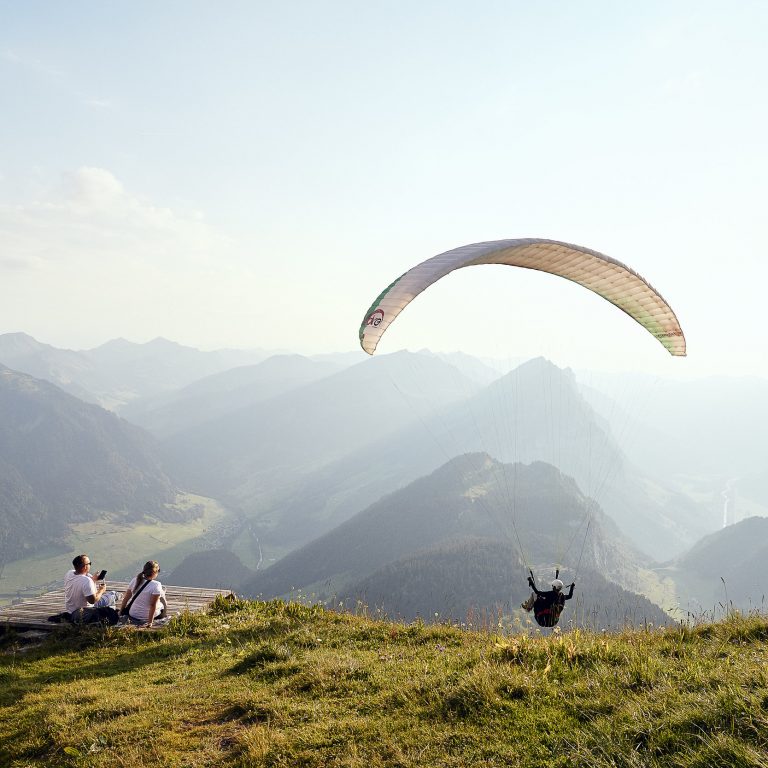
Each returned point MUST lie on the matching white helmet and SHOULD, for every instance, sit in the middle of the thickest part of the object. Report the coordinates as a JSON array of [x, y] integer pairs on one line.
[[557, 584]]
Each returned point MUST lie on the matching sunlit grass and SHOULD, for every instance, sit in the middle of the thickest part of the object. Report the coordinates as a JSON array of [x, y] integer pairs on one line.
[[285, 684]]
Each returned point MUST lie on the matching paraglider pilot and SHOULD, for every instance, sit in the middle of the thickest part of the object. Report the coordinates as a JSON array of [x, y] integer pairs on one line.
[[547, 606]]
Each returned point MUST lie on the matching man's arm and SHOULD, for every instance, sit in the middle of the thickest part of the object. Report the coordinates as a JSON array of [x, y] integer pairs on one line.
[[92, 598], [532, 585], [570, 593]]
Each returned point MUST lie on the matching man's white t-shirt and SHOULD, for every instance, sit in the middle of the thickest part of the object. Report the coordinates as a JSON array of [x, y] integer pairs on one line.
[[77, 588], [140, 607]]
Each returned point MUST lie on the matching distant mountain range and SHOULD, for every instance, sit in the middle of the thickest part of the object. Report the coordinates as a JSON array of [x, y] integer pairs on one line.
[[256, 451], [703, 436], [466, 497], [305, 462], [688, 441], [119, 371], [216, 396], [298, 446], [63, 460], [449, 544]]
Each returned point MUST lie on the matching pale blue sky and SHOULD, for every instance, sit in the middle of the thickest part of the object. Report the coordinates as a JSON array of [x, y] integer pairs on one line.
[[250, 174]]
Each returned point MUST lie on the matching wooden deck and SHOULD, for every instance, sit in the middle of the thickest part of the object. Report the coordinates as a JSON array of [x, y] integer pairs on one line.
[[33, 613]]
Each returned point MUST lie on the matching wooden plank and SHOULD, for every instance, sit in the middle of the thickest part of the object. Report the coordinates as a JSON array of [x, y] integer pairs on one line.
[[33, 612]]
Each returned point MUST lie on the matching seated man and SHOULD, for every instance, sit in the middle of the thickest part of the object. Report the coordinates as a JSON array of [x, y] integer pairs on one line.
[[81, 593]]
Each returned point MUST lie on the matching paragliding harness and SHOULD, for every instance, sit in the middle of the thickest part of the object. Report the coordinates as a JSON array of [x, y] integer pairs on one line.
[[548, 606]]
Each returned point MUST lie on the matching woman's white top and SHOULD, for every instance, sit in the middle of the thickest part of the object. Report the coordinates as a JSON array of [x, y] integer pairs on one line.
[[140, 606]]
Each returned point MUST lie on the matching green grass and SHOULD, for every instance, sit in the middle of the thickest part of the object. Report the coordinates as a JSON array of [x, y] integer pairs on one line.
[[120, 547], [284, 684]]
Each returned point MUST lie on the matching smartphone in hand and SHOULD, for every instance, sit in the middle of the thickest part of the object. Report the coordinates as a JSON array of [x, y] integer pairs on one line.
[[101, 576]]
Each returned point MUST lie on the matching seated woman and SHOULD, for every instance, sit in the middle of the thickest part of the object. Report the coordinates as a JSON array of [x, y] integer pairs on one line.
[[144, 600]]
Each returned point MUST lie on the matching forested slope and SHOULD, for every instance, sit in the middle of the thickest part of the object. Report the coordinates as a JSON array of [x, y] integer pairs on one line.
[[63, 460]]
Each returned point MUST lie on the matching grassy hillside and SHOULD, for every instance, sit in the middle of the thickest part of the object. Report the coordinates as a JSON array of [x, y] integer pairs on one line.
[[276, 684]]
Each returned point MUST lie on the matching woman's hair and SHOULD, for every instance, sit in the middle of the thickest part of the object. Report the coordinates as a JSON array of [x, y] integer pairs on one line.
[[150, 567]]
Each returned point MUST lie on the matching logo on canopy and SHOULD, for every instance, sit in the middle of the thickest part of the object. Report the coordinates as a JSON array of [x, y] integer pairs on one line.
[[375, 318]]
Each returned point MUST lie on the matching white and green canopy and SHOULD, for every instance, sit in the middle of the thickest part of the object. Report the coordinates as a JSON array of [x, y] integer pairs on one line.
[[607, 277]]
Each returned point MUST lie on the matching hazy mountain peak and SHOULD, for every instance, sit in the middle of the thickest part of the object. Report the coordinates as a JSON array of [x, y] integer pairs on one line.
[[473, 368], [121, 346], [20, 382], [402, 366], [163, 343], [402, 354], [285, 359], [19, 343], [543, 365], [478, 461], [537, 374], [423, 358], [118, 343]]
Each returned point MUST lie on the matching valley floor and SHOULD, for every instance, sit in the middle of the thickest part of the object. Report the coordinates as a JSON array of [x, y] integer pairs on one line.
[[282, 684], [121, 546]]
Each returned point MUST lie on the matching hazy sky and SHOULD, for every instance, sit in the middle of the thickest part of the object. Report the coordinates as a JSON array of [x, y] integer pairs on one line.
[[250, 174]]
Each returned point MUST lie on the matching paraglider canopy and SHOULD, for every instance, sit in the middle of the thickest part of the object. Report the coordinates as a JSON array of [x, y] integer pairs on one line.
[[605, 276]]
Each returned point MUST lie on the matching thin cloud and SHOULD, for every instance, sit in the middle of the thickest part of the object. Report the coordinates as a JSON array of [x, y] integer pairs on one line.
[[90, 217], [31, 64], [48, 72], [93, 257], [11, 264], [98, 103]]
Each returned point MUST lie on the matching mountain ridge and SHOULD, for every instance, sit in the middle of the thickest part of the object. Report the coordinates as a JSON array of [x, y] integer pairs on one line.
[[64, 460], [463, 499], [515, 423], [220, 393]]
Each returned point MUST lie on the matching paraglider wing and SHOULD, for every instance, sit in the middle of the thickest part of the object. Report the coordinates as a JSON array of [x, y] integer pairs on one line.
[[607, 277]]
